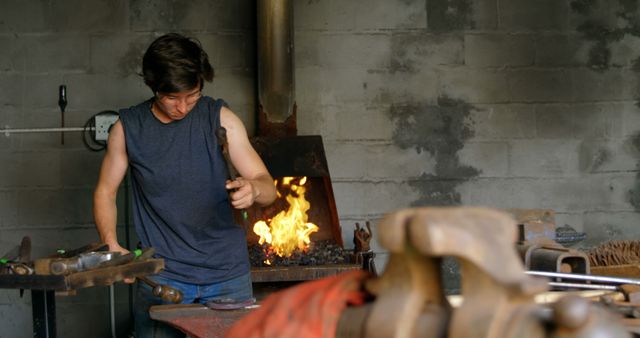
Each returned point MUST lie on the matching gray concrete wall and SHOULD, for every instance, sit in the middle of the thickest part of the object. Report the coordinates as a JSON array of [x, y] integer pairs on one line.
[[508, 104], [95, 48]]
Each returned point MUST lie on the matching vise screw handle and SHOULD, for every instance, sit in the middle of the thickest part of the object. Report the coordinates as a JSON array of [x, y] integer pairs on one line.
[[165, 292]]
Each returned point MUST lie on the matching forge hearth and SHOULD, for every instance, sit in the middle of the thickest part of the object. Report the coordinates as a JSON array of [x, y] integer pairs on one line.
[[319, 253], [297, 157]]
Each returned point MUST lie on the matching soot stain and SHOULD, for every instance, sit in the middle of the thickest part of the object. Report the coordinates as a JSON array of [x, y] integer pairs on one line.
[[441, 130]]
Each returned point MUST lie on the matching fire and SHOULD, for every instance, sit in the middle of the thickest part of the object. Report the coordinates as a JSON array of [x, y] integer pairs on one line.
[[289, 230]]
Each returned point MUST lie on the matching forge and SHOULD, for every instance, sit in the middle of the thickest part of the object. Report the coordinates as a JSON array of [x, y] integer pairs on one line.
[[298, 158]]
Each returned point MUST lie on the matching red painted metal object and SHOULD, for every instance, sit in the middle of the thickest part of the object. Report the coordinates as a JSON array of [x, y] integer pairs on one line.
[[196, 320]]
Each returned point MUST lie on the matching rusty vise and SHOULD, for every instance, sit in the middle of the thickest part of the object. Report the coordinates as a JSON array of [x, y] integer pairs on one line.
[[498, 297]]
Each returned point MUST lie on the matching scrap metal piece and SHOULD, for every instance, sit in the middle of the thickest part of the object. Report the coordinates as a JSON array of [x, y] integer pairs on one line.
[[547, 255]]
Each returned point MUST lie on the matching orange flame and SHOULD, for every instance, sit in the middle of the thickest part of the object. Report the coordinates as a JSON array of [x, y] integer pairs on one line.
[[289, 230]]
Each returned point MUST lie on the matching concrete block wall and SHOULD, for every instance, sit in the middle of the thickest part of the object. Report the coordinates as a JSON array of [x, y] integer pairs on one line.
[[95, 48], [507, 104]]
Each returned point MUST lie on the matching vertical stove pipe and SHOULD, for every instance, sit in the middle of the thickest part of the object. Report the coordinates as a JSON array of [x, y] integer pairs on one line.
[[276, 88]]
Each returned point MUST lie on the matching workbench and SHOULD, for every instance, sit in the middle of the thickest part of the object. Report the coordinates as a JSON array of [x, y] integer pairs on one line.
[[44, 287]]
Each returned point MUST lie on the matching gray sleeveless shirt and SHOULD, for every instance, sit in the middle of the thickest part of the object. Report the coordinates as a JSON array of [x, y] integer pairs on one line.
[[180, 205]]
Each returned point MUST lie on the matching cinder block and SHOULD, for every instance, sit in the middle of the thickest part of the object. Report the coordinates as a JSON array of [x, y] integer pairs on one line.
[[555, 121], [355, 85], [485, 14], [47, 86], [11, 90], [544, 158], [118, 53], [19, 320], [349, 123], [356, 161], [156, 15], [19, 16], [602, 226], [412, 52], [31, 169], [398, 88], [610, 85], [474, 85], [630, 116], [503, 121], [447, 16], [344, 122], [588, 120], [317, 119], [439, 191], [602, 156], [348, 15], [560, 50], [491, 159], [80, 168], [499, 50], [517, 15], [55, 53], [372, 50], [230, 15], [602, 12], [540, 85], [77, 204], [194, 16], [372, 197], [625, 51], [88, 16], [236, 87], [229, 50], [97, 92], [41, 206], [568, 194], [8, 207], [8, 62]]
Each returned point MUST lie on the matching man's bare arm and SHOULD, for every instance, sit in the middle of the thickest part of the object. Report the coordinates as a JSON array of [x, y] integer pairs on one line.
[[112, 172], [255, 184]]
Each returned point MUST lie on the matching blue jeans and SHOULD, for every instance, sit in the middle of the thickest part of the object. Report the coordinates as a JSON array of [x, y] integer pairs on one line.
[[238, 288]]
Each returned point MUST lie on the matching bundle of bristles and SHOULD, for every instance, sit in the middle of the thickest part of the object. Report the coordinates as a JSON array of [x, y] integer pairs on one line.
[[615, 253]]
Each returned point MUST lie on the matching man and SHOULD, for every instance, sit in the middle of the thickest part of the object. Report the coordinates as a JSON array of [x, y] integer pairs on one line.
[[181, 198]]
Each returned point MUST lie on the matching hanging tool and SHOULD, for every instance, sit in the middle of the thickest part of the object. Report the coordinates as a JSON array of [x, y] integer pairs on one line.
[[165, 292], [62, 102]]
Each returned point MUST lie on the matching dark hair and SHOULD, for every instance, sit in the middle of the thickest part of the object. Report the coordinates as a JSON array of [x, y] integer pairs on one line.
[[175, 63]]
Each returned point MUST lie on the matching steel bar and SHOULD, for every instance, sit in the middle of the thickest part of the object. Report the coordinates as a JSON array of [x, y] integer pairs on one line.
[[584, 286], [601, 279]]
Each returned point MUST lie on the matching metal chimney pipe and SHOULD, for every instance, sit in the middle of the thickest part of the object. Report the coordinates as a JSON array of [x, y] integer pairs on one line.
[[276, 86]]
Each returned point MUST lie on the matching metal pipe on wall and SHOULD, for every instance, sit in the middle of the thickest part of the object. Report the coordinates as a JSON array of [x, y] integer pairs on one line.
[[276, 92], [8, 131]]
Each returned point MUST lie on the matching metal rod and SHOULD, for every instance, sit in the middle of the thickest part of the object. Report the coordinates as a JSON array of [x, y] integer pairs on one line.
[[584, 286], [8, 131], [601, 279]]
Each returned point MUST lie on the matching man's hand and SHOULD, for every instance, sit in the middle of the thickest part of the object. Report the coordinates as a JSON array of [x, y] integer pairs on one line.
[[117, 248], [243, 192]]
